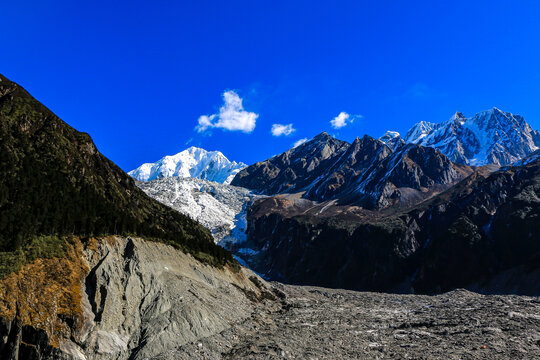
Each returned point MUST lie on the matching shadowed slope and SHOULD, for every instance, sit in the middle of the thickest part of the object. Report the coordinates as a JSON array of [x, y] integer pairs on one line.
[[55, 182]]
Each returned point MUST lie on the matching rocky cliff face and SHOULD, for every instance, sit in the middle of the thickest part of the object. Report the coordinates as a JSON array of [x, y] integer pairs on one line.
[[479, 234], [129, 299]]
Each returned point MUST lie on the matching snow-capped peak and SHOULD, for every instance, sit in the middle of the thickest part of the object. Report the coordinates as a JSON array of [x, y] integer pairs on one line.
[[490, 136], [392, 139], [391, 134], [419, 131], [193, 162]]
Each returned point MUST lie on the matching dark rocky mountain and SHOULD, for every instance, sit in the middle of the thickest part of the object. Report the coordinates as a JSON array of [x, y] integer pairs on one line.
[[372, 176], [293, 170], [365, 173], [481, 234]]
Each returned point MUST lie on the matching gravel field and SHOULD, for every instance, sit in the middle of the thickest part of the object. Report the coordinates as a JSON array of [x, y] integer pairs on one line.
[[317, 323]]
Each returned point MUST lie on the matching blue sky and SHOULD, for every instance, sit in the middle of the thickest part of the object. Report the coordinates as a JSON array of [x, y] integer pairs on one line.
[[138, 75]]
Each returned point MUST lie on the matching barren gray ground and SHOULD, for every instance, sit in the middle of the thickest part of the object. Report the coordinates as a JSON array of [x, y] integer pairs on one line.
[[317, 323]]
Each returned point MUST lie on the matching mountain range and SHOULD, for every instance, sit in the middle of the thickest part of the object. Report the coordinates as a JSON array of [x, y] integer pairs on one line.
[[399, 214], [489, 137], [365, 173], [191, 163], [428, 224], [367, 201], [366, 195]]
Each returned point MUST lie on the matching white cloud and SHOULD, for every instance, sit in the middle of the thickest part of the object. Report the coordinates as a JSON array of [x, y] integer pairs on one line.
[[279, 129], [341, 120], [232, 116], [300, 142]]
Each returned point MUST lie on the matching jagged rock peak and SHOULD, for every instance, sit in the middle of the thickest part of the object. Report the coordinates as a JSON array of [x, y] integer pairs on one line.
[[363, 173], [458, 116], [367, 140], [323, 135], [294, 169]]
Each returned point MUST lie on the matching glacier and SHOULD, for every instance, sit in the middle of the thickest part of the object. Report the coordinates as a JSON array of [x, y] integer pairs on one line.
[[221, 208]]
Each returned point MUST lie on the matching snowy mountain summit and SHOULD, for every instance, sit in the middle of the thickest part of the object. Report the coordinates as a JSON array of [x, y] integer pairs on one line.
[[193, 162], [489, 137], [392, 139]]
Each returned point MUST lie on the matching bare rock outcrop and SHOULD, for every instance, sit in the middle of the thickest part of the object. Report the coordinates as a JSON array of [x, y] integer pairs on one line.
[[139, 299]]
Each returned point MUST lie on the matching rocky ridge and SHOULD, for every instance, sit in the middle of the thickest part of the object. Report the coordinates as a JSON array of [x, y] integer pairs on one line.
[[293, 170], [366, 173], [489, 137]]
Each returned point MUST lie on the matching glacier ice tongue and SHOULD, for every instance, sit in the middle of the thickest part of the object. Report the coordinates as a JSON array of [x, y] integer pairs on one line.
[[221, 208]]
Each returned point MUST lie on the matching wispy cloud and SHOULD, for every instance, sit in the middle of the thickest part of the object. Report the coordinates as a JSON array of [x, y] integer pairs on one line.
[[231, 116], [300, 142], [279, 129], [343, 119]]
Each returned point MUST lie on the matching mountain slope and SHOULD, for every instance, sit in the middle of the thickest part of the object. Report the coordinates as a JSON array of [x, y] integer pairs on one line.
[[480, 234], [193, 162], [491, 136], [55, 182], [294, 169], [365, 173]]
